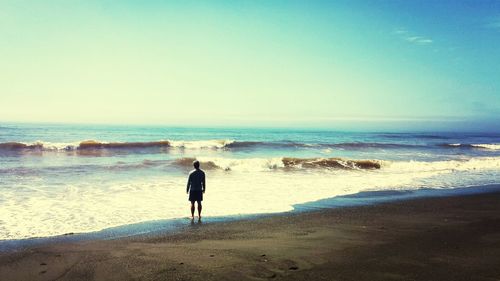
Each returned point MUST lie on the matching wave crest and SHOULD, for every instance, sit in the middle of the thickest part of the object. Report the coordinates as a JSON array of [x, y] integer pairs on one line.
[[491, 146], [263, 164], [223, 144], [91, 144], [201, 144], [335, 163], [187, 162], [98, 145], [295, 164]]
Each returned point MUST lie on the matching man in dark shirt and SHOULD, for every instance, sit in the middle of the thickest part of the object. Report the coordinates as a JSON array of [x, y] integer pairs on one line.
[[196, 187]]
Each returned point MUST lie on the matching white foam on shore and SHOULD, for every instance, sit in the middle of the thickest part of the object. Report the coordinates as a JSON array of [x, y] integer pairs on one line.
[[32, 209], [479, 163]]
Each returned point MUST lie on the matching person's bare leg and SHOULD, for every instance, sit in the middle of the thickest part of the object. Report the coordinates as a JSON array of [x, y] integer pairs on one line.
[[199, 210], [192, 210]]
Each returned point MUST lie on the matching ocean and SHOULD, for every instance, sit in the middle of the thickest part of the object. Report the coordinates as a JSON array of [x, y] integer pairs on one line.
[[57, 179]]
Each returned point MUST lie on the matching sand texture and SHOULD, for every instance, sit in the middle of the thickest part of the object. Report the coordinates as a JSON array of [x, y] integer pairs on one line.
[[449, 238]]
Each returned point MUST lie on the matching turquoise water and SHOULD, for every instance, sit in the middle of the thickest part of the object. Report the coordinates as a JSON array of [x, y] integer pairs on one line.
[[57, 179]]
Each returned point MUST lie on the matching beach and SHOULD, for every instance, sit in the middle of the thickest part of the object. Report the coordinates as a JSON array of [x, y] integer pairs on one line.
[[436, 238], [59, 179], [337, 140], [81, 202]]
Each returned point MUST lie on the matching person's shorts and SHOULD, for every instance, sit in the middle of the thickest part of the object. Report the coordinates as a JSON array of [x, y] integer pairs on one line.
[[195, 195]]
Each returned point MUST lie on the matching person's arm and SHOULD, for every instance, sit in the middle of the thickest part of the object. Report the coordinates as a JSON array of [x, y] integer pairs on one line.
[[204, 183], [188, 184]]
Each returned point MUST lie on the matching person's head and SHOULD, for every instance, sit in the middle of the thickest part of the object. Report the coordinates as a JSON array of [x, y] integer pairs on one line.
[[196, 164]]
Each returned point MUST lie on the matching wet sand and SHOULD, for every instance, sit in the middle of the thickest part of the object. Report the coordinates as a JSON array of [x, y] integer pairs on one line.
[[447, 238]]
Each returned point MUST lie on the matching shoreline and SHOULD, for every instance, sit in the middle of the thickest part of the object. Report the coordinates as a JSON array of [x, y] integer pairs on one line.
[[429, 238], [169, 226]]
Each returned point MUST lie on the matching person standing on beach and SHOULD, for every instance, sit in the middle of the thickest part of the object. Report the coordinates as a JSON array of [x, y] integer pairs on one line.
[[196, 187]]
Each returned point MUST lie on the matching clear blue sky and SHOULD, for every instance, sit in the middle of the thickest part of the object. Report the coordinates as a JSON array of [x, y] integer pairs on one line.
[[365, 64]]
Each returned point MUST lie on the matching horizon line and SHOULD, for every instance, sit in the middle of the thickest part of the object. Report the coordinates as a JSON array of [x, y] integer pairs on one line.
[[333, 127]]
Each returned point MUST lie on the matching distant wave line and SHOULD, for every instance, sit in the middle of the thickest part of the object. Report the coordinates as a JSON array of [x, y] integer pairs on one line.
[[228, 144]]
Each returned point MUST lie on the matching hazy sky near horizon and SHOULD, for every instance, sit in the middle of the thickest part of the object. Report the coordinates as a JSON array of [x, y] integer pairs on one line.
[[422, 64]]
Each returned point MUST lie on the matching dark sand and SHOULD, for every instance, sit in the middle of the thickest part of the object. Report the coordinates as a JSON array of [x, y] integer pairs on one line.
[[450, 238]]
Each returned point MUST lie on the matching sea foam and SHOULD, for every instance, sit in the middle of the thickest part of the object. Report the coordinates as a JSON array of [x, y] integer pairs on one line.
[[249, 186]]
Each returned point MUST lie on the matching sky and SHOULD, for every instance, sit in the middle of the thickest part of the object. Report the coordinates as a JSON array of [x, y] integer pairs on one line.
[[340, 64]]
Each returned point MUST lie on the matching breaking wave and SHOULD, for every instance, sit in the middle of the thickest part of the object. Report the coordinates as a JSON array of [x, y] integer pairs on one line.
[[185, 144], [97, 145], [490, 146], [224, 144], [284, 164], [487, 146], [292, 164], [257, 164], [334, 163]]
